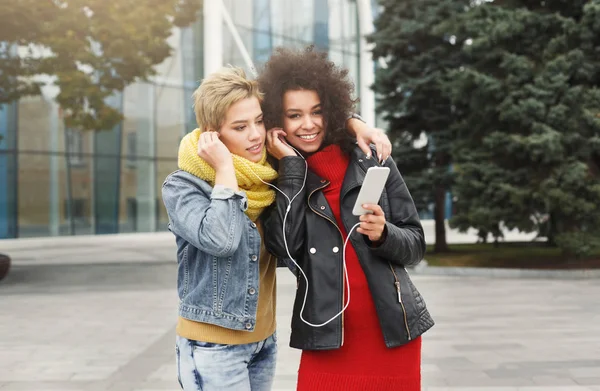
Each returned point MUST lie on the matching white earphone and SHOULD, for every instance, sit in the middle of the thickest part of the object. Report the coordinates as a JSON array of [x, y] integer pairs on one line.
[[293, 260]]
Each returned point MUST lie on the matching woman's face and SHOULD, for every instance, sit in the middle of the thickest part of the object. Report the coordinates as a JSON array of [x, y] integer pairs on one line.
[[303, 121], [243, 131]]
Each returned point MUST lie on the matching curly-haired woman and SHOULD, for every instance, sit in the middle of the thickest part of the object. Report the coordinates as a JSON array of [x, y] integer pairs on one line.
[[374, 343]]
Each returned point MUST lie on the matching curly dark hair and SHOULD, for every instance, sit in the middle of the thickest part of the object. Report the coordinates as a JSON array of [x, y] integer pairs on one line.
[[309, 69]]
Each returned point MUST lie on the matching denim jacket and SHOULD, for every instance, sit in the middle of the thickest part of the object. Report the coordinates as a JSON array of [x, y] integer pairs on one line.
[[217, 252]]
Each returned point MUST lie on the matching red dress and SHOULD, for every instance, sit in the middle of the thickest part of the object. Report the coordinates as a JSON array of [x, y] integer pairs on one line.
[[363, 362]]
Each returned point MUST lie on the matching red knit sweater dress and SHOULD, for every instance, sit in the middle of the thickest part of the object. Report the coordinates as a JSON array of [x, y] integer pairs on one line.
[[363, 362]]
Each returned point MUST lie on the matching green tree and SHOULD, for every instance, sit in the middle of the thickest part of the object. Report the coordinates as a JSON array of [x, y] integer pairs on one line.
[[413, 98], [91, 49], [529, 135]]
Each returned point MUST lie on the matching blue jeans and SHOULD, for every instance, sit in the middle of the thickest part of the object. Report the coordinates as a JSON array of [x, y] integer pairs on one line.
[[206, 366]]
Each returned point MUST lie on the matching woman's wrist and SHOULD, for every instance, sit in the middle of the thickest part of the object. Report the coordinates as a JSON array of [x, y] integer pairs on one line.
[[355, 126], [225, 176], [381, 239]]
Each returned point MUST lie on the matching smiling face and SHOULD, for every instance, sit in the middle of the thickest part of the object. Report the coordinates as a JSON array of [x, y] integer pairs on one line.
[[243, 131], [303, 120]]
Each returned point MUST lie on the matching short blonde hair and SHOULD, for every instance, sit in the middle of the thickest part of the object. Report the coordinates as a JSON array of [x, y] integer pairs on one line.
[[218, 92]]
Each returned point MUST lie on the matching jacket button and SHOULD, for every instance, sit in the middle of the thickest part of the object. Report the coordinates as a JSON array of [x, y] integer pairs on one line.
[[254, 258], [313, 250], [360, 160], [336, 250], [248, 325], [323, 181], [322, 207], [253, 225], [252, 291]]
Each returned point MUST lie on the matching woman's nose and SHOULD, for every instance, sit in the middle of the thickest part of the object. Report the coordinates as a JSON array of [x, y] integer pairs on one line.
[[254, 132], [308, 123]]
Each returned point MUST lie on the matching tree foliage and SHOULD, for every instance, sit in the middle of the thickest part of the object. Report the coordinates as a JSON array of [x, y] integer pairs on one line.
[[528, 138], [508, 92], [412, 96], [90, 49]]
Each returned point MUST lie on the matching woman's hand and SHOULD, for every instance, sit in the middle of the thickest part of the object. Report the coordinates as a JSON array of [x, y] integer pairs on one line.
[[366, 135], [214, 152], [372, 224], [217, 155], [276, 145]]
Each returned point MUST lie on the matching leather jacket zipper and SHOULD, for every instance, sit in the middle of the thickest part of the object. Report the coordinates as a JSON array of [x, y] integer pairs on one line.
[[342, 237], [397, 284]]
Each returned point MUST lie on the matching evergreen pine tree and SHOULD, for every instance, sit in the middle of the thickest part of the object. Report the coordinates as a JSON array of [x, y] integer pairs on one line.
[[412, 95], [528, 139]]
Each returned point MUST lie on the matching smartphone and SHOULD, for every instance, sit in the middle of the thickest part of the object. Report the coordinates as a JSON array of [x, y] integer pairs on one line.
[[371, 189]]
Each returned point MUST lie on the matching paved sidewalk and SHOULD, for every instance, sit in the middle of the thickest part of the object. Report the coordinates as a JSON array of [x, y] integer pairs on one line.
[[98, 313]]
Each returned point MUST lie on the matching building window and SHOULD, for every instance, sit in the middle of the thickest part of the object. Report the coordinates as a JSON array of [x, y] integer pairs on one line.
[[131, 150], [74, 144], [77, 209]]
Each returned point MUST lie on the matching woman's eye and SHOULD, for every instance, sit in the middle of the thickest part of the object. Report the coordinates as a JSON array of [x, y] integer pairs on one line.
[[318, 112], [294, 116], [240, 128], [260, 121]]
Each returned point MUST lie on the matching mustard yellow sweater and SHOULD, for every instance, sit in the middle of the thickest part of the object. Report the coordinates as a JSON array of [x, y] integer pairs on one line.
[[265, 313]]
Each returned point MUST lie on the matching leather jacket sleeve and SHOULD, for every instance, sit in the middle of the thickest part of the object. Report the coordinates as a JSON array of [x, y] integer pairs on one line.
[[292, 172], [404, 243]]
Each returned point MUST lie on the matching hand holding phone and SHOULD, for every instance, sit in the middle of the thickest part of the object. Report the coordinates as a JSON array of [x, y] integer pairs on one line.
[[371, 189]]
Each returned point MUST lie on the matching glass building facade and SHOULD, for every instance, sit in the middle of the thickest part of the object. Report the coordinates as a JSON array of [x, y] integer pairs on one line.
[[59, 181]]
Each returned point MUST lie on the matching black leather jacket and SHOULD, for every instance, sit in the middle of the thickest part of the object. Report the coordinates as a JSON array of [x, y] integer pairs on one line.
[[315, 242]]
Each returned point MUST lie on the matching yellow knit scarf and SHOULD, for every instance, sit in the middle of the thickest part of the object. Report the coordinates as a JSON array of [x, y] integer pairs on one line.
[[259, 194]]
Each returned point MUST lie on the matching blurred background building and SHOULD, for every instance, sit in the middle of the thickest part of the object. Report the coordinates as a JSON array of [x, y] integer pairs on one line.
[[60, 181]]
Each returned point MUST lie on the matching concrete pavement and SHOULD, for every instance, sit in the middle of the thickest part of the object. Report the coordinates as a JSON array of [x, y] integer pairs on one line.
[[98, 313]]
